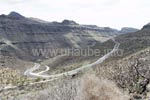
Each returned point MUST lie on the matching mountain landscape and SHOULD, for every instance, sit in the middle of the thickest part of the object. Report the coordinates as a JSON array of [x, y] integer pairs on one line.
[[28, 34], [118, 69]]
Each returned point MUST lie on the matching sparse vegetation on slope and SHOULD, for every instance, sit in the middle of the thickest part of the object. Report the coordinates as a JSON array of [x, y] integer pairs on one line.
[[130, 73]]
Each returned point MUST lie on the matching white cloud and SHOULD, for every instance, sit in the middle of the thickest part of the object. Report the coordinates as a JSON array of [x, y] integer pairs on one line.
[[113, 13]]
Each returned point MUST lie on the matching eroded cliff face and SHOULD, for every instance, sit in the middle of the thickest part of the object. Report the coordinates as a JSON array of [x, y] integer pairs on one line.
[[29, 33]]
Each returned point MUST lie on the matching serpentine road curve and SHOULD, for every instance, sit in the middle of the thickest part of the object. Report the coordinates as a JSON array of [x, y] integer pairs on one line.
[[30, 72]]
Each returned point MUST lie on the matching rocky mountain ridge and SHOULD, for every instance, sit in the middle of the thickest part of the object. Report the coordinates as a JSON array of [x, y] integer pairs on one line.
[[30, 33]]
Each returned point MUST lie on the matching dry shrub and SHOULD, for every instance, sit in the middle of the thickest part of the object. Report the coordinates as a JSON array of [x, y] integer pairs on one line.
[[93, 88]]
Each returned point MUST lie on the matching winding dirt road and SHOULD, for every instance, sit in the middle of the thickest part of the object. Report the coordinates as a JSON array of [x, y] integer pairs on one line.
[[30, 72]]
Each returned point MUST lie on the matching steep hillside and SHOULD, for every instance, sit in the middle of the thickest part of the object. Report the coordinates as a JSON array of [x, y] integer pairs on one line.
[[130, 70], [131, 73], [133, 42], [130, 42]]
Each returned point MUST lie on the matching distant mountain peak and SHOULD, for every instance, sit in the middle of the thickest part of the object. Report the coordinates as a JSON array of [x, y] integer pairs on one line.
[[69, 22], [128, 30], [14, 14], [146, 26], [148, 23]]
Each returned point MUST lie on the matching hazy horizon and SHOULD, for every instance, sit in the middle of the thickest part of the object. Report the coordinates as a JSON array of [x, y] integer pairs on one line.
[[105, 13]]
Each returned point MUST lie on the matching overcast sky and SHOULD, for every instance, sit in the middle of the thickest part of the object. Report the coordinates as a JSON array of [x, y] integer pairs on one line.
[[112, 13]]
